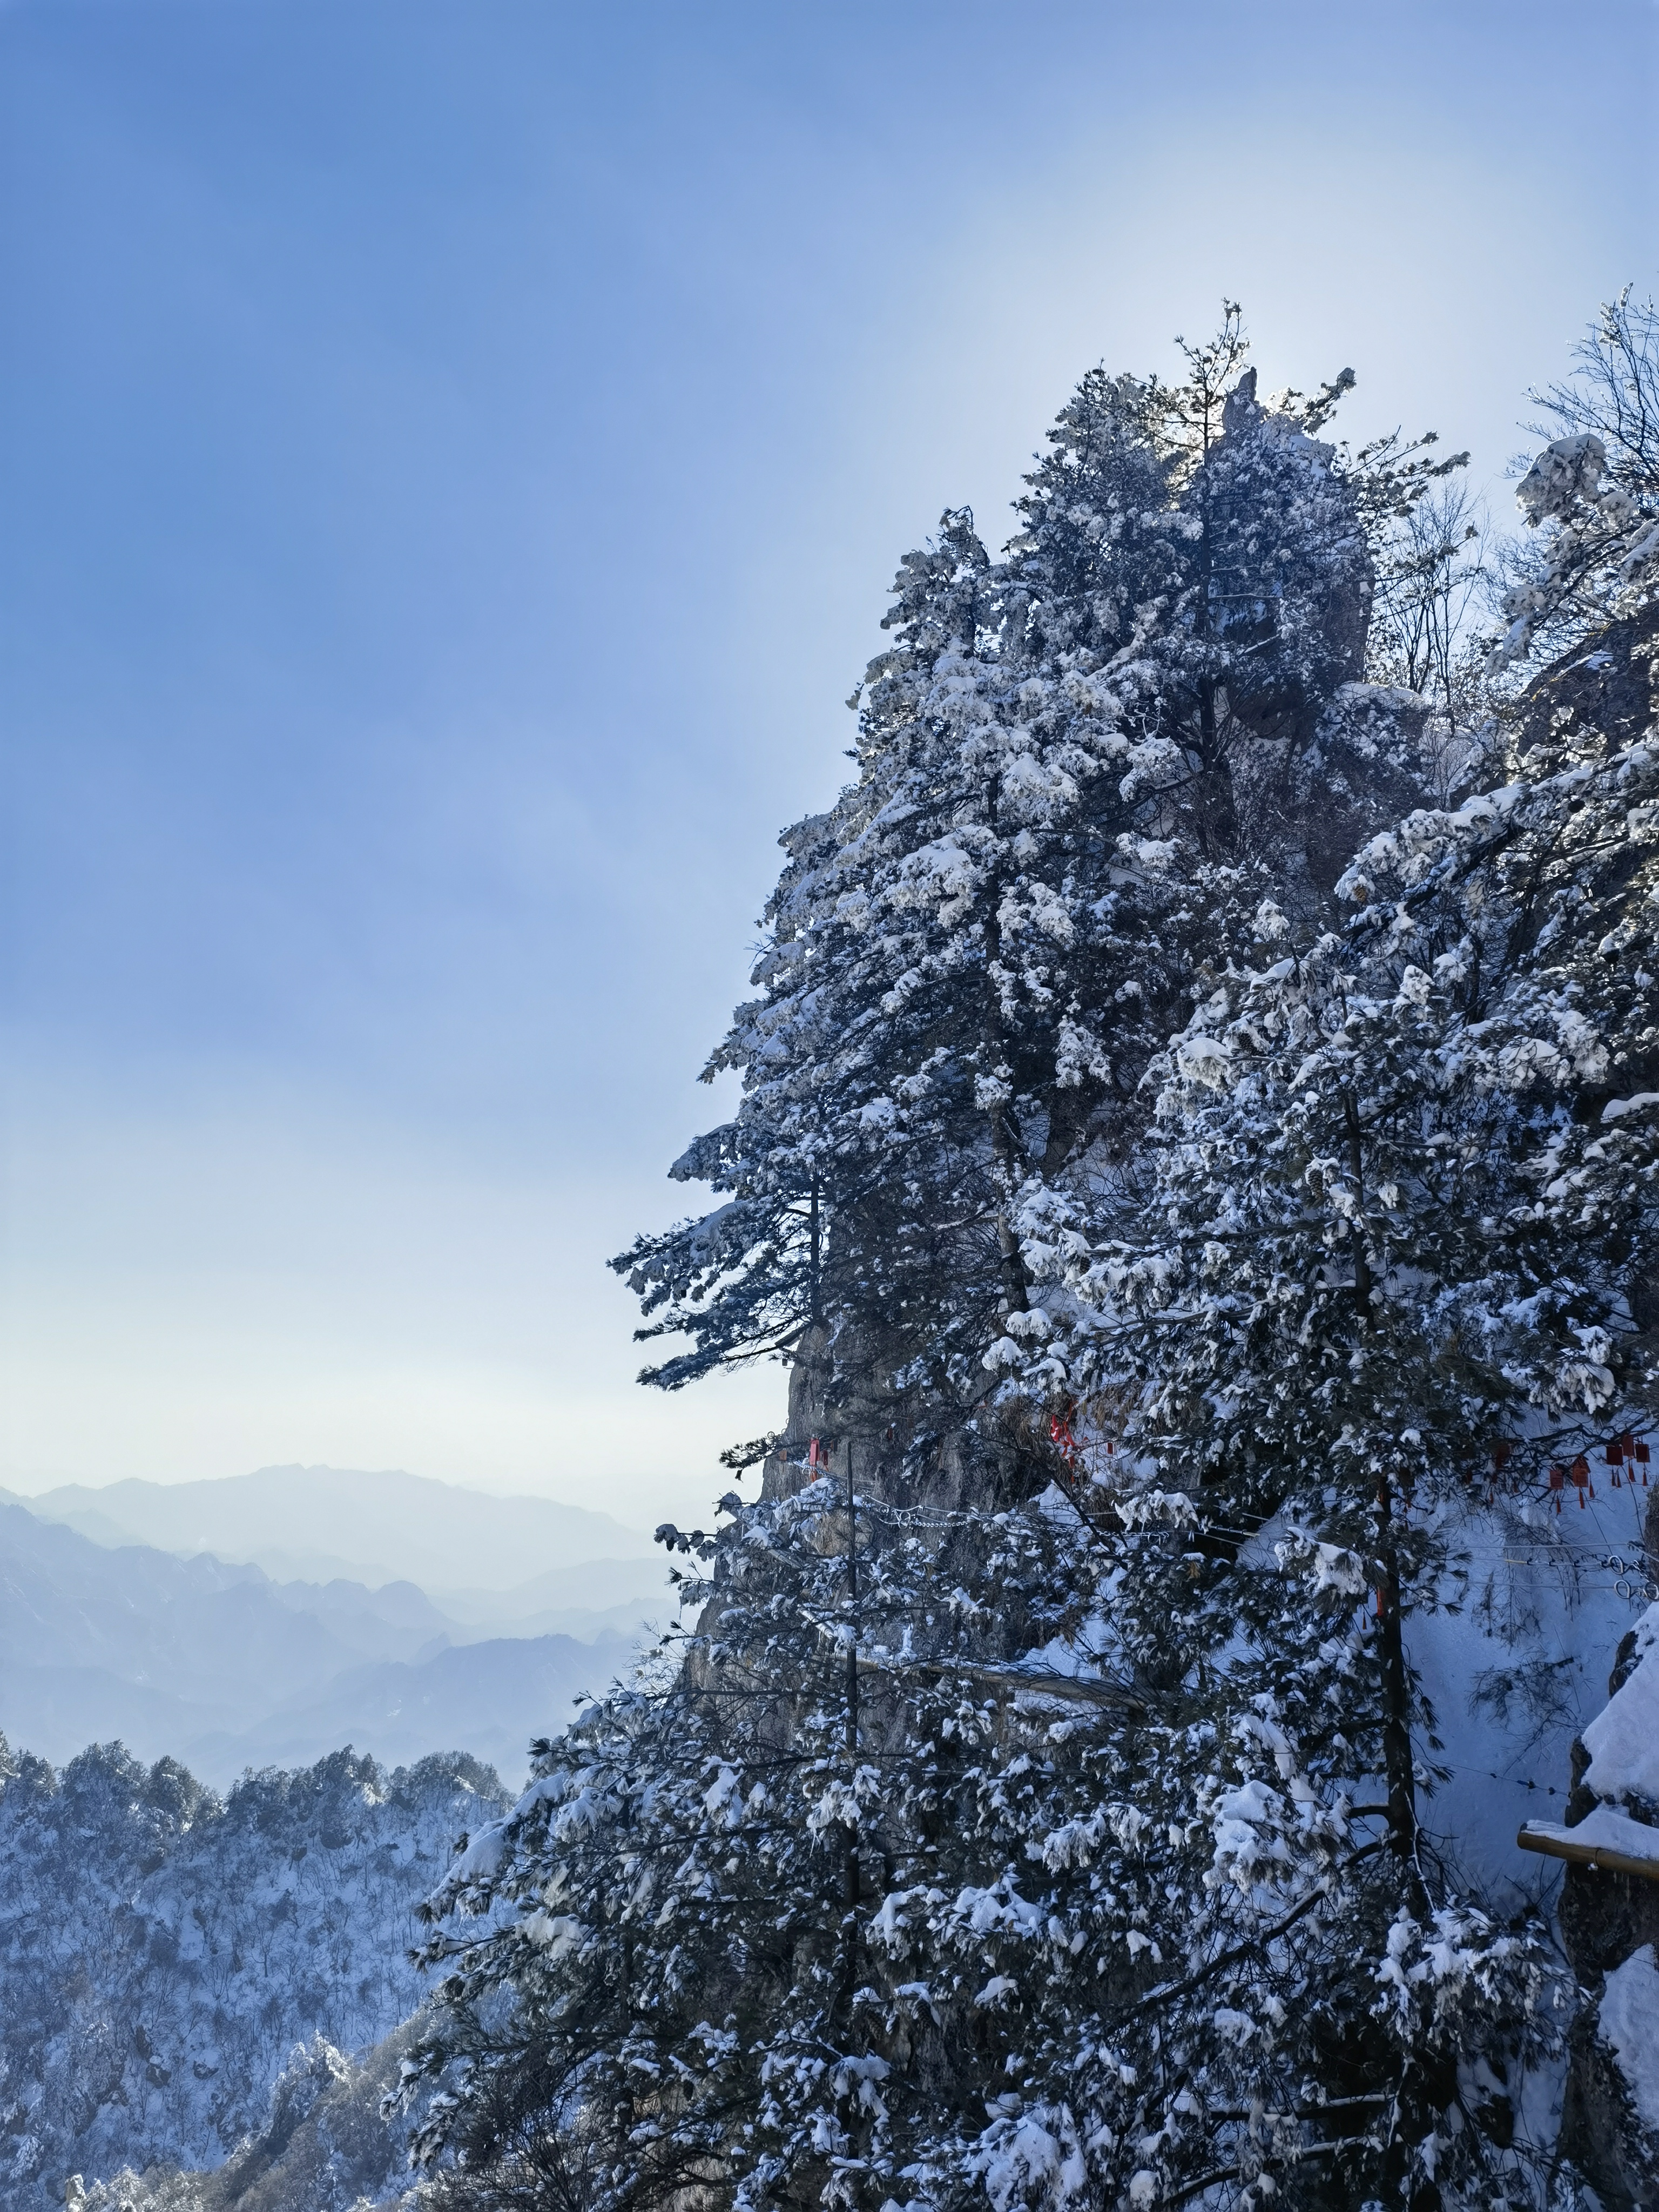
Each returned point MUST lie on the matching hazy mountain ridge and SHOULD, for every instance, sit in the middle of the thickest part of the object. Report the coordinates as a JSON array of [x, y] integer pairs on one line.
[[494, 1695], [217, 1664], [188, 1983], [323, 1523]]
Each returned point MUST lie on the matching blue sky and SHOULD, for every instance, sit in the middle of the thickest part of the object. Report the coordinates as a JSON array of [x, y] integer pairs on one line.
[[451, 460]]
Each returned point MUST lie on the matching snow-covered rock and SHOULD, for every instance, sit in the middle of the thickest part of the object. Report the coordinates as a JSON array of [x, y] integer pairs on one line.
[[1610, 1928], [1627, 2019], [1623, 1739]]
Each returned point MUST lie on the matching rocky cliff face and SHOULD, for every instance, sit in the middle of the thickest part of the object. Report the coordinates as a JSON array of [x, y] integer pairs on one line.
[[1608, 684]]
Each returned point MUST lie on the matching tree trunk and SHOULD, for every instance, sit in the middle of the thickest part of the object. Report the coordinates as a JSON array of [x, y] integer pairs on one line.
[[1397, 1762], [1398, 1766], [1362, 1258], [850, 1864], [1015, 1282]]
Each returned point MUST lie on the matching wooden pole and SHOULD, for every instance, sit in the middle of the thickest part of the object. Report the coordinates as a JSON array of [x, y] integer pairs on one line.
[[1594, 1855]]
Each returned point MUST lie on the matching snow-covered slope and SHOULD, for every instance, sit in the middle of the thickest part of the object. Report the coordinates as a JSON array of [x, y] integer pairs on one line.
[[325, 2146], [162, 1953], [1609, 1925]]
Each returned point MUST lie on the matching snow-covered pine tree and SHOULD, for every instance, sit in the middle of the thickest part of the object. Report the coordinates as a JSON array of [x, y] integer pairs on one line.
[[1403, 1236], [868, 1903], [1593, 493], [1077, 768], [708, 1888]]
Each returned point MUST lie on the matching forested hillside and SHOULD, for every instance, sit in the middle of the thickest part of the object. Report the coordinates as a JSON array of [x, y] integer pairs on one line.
[[162, 1952], [1197, 1157]]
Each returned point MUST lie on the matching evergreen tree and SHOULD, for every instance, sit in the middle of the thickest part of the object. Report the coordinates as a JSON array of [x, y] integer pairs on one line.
[[1402, 1236], [1593, 494], [996, 1833], [1077, 768]]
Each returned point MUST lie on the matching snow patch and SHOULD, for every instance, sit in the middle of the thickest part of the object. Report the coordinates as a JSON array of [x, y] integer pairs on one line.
[[1623, 1739], [1629, 2021], [1616, 1109], [1607, 1831]]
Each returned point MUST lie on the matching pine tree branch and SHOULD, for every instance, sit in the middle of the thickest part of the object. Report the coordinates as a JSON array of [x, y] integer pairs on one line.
[[1081, 1688], [1166, 1990]]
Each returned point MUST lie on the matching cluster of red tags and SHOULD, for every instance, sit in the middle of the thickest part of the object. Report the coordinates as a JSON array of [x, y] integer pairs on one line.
[[818, 1456], [1624, 1456], [1063, 1439]]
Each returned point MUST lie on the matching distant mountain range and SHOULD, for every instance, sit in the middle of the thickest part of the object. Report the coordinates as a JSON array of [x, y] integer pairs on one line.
[[489, 1697], [325, 1523], [178, 1650]]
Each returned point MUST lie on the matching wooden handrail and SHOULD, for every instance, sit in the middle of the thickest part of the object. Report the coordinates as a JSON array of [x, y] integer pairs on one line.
[[1558, 1846]]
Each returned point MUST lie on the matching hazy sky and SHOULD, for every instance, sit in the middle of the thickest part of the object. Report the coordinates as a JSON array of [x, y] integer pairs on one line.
[[451, 460]]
